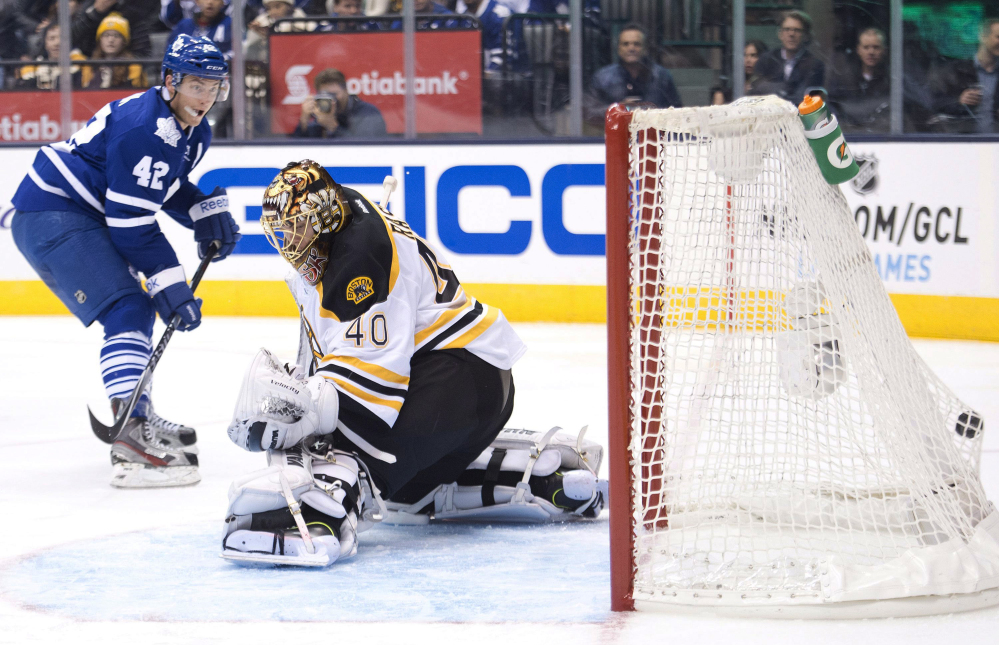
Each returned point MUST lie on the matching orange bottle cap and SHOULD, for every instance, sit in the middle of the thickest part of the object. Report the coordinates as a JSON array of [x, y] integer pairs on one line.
[[810, 104]]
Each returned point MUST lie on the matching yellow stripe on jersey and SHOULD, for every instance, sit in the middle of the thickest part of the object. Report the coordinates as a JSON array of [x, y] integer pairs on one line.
[[443, 320], [374, 370], [363, 395], [324, 312], [476, 331], [394, 273]]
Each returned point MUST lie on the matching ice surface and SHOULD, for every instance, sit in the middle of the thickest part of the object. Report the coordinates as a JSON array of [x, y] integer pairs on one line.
[[81, 562]]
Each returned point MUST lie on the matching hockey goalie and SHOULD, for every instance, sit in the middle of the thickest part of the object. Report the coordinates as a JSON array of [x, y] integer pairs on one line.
[[395, 408]]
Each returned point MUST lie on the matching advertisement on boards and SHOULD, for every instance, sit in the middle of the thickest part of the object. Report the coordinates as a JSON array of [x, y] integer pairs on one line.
[[34, 116], [928, 213], [534, 214], [448, 84]]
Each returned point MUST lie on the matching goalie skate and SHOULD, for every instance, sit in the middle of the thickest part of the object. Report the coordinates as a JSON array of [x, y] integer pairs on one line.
[[141, 459], [282, 547]]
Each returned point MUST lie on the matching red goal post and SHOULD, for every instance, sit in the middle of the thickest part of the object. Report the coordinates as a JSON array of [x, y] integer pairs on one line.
[[618, 350]]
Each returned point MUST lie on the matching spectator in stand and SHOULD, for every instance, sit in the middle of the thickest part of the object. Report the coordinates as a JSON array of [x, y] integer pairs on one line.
[[112, 43], [590, 7], [332, 113], [789, 71], [968, 91], [255, 45], [859, 91], [46, 77], [634, 79], [173, 11], [750, 56], [13, 45], [36, 16], [253, 8], [374, 7], [209, 21], [345, 8], [429, 7], [140, 15], [491, 15]]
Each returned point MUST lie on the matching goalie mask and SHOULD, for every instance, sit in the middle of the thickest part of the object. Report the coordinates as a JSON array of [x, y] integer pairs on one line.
[[301, 204]]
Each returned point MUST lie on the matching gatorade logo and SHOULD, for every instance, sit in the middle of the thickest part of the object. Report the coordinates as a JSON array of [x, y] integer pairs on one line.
[[839, 154]]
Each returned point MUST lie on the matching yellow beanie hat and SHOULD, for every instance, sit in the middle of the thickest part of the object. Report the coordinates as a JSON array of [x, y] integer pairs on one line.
[[115, 22]]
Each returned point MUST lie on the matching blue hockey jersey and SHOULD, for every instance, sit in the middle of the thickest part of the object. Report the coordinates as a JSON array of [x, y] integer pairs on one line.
[[130, 161]]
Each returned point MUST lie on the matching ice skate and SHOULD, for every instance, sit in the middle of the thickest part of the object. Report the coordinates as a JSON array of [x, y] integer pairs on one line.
[[142, 459], [178, 437]]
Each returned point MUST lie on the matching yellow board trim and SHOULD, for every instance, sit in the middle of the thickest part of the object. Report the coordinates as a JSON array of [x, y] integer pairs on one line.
[[366, 396], [958, 317], [384, 374], [480, 327]]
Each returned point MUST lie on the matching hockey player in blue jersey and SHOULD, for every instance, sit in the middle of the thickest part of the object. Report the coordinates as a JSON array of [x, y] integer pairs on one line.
[[86, 222]]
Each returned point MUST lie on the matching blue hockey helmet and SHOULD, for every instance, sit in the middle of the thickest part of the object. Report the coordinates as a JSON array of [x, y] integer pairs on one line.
[[198, 57]]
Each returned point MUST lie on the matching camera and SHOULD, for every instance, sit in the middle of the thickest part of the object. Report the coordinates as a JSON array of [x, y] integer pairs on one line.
[[325, 102]]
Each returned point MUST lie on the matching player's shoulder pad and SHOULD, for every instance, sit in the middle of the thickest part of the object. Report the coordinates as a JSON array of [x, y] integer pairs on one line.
[[362, 256]]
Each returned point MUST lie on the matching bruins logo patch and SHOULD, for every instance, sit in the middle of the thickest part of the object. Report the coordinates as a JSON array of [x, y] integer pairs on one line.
[[360, 288]]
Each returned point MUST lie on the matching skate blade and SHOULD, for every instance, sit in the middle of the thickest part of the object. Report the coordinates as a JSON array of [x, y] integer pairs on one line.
[[319, 559], [128, 475], [401, 518]]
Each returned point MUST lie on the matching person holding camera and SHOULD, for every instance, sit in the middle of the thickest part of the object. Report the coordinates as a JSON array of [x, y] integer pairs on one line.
[[332, 113]]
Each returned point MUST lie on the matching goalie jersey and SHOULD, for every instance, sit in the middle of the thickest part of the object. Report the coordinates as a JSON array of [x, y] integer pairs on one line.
[[386, 297]]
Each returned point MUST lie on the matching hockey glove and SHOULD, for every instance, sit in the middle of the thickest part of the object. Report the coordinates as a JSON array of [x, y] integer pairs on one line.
[[172, 295], [212, 221]]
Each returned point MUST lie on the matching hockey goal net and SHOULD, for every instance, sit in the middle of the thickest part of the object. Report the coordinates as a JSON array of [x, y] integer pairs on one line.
[[776, 442]]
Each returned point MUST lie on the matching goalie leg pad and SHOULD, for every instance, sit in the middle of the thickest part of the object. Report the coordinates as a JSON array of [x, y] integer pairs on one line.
[[523, 476], [262, 526], [811, 364], [272, 538]]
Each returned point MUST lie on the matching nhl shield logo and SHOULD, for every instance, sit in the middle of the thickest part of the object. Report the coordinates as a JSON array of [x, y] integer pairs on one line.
[[360, 288], [866, 180]]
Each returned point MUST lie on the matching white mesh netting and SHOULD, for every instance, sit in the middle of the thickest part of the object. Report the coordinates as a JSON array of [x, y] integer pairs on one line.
[[788, 444]]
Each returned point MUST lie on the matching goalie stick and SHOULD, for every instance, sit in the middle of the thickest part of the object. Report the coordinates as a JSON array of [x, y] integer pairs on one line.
[[388, 187], [108, 434]]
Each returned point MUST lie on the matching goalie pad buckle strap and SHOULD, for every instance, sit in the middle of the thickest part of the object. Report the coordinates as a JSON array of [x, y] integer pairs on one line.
[[296, 512], [492, 476]]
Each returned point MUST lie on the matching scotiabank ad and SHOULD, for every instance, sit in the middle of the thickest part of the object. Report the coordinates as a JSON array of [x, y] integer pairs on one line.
[[34, 115], [448, 84]]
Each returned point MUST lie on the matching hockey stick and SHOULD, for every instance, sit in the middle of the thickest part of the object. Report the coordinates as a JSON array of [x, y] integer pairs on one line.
[[388, 186], [109, 434]]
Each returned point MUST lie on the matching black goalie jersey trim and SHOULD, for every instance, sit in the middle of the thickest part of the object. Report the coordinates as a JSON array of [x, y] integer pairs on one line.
[[350, 375]]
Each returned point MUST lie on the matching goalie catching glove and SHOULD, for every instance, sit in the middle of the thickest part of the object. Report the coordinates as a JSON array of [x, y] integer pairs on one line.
[[305, 509], [276, 408]]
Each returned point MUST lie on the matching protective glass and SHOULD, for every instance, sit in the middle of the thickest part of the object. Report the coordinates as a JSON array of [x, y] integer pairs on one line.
[[203, 89]]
